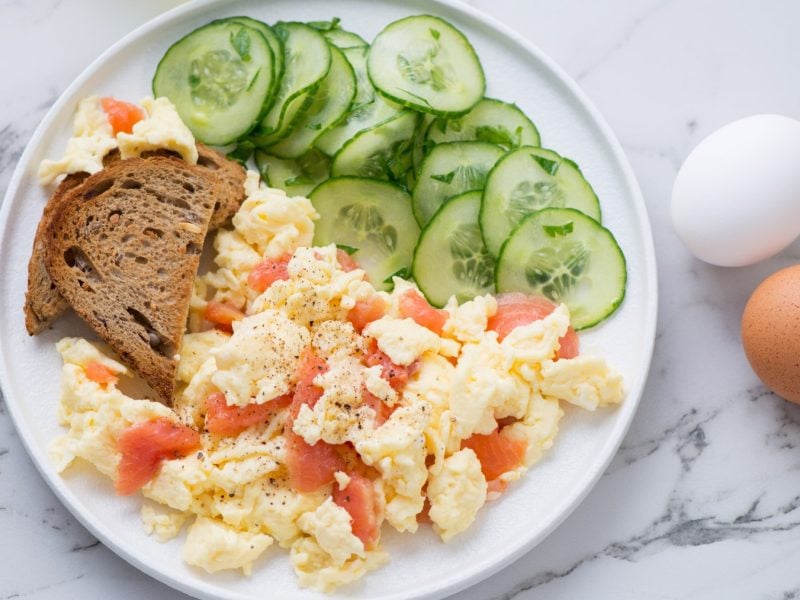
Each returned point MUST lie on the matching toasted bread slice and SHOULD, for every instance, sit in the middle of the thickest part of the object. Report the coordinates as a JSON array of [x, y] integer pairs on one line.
[[230, 176], [123, 249], [43, 302]]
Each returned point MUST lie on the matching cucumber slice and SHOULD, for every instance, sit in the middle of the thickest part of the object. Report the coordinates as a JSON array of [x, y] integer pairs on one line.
[[369, 109], [568, 257], [277, 53], [345, 39], [307, 58], [331, 102], [526, 180], [296, 177], [490, 121], [357, 57], [292, 114], [451, 169], [451, 258], [361, 119], [382, 152], [373, 216], [219, 77], [337, 36], [427, 64]]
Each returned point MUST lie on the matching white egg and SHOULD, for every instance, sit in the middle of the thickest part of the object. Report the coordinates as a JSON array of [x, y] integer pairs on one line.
[[736, 199]]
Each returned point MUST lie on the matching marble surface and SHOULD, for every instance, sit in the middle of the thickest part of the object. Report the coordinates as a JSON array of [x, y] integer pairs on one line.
[[700, 501]]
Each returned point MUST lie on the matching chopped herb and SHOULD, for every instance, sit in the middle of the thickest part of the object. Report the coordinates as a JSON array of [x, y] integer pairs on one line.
[[348, 249], [243, 151], [558, 230], [498, 135], [281, 32], [253, 80], [403, 273], [434, 33], [549, 166], [241, 43], [445, 177], [315, 126]]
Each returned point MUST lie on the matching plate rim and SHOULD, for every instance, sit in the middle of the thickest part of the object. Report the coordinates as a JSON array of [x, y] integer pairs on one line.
[[581, 488]]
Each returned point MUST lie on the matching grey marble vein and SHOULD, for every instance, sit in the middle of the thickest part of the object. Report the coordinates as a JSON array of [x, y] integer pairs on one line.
[[624, 39]]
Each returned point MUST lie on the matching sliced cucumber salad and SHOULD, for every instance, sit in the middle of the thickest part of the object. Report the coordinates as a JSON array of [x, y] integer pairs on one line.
[[396, 136]]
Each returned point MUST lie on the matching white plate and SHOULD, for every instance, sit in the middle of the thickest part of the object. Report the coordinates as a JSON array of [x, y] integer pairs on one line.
[[421, 566]]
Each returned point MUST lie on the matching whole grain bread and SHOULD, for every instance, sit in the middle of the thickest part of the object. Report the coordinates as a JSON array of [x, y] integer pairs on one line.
[[43, 302], [123, 249]]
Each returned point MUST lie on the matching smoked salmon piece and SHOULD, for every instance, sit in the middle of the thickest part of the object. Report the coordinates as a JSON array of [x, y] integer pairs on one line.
[[515, 309], [382, 410], [268, 272], [222, 419], [222, 315], [414, 306], [122, 116], [396, 375], [497, 454], [365, 312], [305, 392], [145, 445], [99, 373], [360, 502], [310, 467], [347, 262]]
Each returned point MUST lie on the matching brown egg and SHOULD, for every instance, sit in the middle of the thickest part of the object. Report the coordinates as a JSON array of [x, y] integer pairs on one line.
[[771, 332]]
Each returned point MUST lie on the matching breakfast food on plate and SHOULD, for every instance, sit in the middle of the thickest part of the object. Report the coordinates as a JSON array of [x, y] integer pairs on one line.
[[315, 393], [95, 144], [771, 330], [325, 407]]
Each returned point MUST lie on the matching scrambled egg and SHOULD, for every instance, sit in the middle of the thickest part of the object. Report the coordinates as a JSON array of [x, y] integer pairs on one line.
[[235, 492], [456, 493], [93, 138], [161, 128], [257, 363]]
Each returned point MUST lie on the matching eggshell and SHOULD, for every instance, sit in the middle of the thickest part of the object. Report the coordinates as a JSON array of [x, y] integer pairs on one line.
[[736, 199], [771, 332]]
